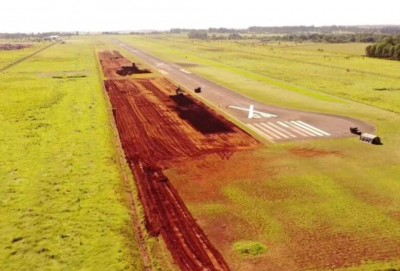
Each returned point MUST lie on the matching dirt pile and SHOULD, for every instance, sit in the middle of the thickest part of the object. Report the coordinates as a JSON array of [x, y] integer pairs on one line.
[[115, 65], [129, 70], [10, 47]]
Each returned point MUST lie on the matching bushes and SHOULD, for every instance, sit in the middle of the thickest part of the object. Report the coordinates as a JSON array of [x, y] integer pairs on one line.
[[249, 248], [388, 49]]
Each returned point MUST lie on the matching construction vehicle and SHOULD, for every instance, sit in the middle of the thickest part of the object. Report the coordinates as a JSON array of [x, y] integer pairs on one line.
[[179, 91], [354, 130], [197, 90]]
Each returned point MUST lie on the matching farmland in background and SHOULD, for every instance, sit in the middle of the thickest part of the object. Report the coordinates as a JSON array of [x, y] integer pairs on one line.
[[62, 203], [317, 205], [9, 56]]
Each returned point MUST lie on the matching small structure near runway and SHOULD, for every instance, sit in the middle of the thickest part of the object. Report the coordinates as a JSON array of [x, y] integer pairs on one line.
[[197, 90], [371, 139]]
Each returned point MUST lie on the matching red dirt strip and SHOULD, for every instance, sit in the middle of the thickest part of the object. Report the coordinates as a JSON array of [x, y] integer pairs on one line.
[[160, 130]]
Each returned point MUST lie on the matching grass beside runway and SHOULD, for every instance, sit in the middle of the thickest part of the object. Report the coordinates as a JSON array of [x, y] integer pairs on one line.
[[62, 201]]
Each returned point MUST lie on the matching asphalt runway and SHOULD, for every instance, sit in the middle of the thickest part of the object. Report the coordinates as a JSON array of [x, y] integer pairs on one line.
[[273, 123]]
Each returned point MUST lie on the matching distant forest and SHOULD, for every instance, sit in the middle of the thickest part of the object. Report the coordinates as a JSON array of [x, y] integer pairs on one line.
[[330, 34], [388, 49], [34, 35]]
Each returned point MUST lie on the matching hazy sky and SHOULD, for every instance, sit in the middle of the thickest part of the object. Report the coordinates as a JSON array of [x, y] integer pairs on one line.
[[91, 15]]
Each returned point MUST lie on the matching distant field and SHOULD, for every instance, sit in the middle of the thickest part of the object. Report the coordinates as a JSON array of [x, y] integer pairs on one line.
[[10, 56], [62, 201], [316, 205]]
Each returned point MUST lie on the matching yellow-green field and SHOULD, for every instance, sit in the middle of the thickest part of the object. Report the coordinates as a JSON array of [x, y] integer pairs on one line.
[[9, 57], [62, 203], [317, 204]]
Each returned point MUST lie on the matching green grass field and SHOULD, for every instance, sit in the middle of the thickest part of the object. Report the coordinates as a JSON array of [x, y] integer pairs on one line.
[[8, 57], [341, 202], [62, 201]]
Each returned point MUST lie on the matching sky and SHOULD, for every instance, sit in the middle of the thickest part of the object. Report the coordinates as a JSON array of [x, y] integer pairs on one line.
[[117, 15]]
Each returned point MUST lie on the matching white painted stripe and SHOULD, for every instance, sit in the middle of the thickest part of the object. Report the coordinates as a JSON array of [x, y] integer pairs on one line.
[[185, 71], [272, 134], [281, 129], [274, 130], [297, 127], [305, 129], [314, 128], [261, 133], [292, 129], [308, 129], [263, 114], [164, 72], [251, 112]]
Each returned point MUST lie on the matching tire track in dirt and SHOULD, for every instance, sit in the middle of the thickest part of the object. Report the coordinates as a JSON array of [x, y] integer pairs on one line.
[[160, 130]]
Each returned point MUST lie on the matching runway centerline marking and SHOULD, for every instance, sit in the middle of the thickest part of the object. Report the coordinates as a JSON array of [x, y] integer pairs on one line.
[[185, 71]]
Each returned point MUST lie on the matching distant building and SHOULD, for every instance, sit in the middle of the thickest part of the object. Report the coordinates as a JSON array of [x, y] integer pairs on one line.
[[52, 38]]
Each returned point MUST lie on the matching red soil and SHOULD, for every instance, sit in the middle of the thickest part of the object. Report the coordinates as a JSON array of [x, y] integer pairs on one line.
[[159, 130], [115, 65], [309, 152]]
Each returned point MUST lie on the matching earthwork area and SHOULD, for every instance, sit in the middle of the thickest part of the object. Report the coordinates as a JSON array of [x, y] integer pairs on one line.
[[10, 47], [160, 129]]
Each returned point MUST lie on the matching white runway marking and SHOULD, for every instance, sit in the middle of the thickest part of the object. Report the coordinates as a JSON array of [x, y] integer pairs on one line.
[[185, 71], [274, 130], [305, 128], [256, 114], [314, 128], [261, 133], [286, 130], [282, 130], [292, 129], [266, 131], [299, 128], [163, 72]]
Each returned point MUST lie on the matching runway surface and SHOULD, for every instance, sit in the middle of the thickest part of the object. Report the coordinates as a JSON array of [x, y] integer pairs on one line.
[[273, 123]]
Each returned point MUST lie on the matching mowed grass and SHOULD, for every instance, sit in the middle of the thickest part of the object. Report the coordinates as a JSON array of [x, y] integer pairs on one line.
[[316, 205], [10, 56], [62, 203]]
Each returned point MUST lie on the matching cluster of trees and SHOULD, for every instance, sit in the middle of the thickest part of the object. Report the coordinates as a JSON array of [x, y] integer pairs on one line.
[[389, 48], [198, 34], [330, 34], [35, 35], [329, 38], [334, 29]]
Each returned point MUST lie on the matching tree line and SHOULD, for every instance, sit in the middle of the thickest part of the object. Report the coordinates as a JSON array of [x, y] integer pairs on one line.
[[388, 49]]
